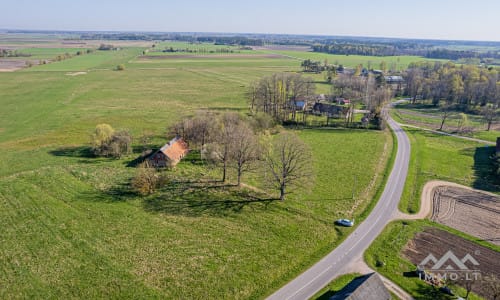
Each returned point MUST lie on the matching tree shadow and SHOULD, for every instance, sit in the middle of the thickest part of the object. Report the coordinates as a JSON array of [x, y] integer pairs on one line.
[[427, 291], [195, 199], [117, 193], [79, 151], [484, 169]]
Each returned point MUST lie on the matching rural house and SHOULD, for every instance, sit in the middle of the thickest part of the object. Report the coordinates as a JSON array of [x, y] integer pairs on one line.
[[170, 154], [369, 286]]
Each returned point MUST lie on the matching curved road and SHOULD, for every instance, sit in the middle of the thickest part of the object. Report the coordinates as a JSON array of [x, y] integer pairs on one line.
[[329, 267]]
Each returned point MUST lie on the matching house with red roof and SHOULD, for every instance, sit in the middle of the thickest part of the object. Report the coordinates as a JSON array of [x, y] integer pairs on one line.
[[170, 154]]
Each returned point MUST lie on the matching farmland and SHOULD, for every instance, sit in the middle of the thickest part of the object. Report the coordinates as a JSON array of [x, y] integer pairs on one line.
[[72, 228], [452, 205], [393, 254]]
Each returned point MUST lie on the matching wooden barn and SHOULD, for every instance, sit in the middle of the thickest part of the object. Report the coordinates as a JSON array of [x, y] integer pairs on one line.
[[170, 154]]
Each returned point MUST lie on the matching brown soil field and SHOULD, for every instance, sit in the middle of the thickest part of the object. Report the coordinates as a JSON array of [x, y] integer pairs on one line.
[[11, 65], [438, 242], [154, 57], [472, 212]]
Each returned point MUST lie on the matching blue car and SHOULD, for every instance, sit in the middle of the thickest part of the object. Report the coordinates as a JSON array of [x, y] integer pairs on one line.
[[345, 222]]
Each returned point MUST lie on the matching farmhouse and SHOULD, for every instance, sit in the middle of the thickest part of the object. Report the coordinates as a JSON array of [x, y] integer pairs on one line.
[[369, 286], [394, 79], [170, 154], [328, 109]]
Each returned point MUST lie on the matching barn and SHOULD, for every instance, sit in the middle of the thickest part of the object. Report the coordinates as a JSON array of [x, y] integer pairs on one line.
[[170, 154]]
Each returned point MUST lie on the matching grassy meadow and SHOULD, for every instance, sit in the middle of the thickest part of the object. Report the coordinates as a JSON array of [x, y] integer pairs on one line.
[[72, 228], [438, 157], [429, 116]]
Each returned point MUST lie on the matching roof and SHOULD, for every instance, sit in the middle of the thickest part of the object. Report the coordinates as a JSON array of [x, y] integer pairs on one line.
[[368, 286], [394, 78], [175, 149]]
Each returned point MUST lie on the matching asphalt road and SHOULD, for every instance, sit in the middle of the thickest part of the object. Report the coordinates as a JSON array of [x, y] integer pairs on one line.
[[329, 267]]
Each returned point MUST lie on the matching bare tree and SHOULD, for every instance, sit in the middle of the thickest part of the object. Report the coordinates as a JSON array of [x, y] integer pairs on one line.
[[490, 115], [445, 113], [244, 150], [289, 161], [220, 150]]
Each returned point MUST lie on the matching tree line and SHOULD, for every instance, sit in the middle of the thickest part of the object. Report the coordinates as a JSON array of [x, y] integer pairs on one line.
[[468, 87]]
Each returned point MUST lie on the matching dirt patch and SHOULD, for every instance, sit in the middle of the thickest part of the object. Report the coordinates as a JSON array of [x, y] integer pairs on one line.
[[11, 65], [76, 73], [472, 212], [214, 56], [438, 242]]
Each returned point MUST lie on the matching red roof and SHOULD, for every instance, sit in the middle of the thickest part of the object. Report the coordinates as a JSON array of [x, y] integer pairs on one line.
[[176, 149]]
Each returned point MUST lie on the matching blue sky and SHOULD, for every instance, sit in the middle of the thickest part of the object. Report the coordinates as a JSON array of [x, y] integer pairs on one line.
[[436, 19]]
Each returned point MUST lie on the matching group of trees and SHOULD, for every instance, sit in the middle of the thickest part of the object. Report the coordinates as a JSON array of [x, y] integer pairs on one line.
[[229, 141], [277, 95], [466, 86], [371, 91], [12, 53], [110, 143]]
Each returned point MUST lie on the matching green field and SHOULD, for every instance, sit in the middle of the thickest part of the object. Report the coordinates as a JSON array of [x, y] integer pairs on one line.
[[429, 116], [440, 157], [72, 228]]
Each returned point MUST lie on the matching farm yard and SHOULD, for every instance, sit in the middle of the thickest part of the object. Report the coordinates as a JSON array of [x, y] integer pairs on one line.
[[472, 212]]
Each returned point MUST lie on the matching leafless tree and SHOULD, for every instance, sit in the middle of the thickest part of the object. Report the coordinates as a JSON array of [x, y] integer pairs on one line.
[[289, 161], [220, 150], [445, 113], [244, 149], [490, 115]]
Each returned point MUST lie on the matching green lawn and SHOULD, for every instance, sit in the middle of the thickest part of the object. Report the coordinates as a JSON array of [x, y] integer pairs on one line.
[[72, 229]]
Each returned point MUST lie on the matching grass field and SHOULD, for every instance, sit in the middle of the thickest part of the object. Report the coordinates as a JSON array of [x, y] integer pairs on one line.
[[447, 158], [429, 116], [72, 229]]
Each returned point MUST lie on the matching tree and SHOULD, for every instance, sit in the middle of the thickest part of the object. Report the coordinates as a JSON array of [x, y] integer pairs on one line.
[[101, 137], [220, 150], [106, 142], [289, 161], [146, 180], [244, 151], [445, 113], [490, 115], [120, 143]]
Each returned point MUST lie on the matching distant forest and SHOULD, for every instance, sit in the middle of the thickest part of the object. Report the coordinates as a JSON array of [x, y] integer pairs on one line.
[[484, 51], [403, 48]]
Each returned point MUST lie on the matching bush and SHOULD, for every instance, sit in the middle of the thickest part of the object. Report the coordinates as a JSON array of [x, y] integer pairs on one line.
[[146, 180], [107, 142], [120, 67]]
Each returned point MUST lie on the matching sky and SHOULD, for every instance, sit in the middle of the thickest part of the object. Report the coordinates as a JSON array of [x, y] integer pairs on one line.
[[430, 19]]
